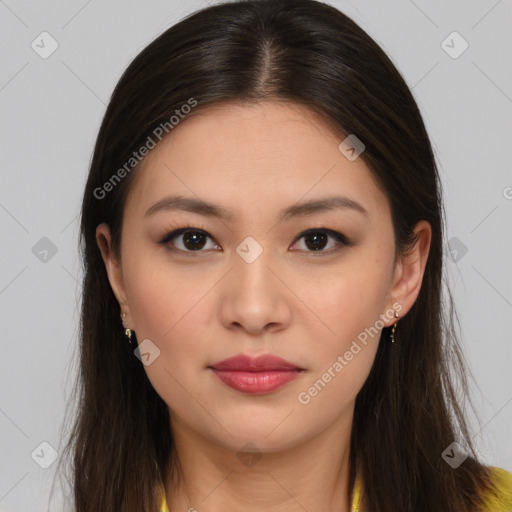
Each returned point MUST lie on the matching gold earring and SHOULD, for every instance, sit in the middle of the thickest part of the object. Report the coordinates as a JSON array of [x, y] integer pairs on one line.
[[128, 334], [394, 327]]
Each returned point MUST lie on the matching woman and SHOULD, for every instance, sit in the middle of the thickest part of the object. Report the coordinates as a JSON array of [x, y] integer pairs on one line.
[[262, 320]]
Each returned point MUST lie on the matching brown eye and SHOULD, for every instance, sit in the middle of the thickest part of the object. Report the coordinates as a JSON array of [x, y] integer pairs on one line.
[[192, 240], [316, 240]]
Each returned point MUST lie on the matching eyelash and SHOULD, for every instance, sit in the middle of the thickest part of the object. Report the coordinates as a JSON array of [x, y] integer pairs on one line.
[[341, 238]]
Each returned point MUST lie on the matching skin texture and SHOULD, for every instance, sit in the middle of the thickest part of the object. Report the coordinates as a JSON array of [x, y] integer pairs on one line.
[[290, 301]]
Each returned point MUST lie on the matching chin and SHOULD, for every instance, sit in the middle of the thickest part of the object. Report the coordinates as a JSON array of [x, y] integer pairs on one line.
[[266, 439]]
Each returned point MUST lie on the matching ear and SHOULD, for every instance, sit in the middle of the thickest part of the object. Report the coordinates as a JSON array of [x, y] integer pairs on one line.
[[114, 271], [409, 270]]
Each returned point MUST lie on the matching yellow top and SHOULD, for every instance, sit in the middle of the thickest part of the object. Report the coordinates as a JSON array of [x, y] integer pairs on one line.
[[502, 502], [499, 503]]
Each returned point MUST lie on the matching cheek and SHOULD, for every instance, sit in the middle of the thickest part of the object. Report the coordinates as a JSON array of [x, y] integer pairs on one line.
[[157, 292], [345, 353], [168, 307], [153, 306], [165, 308], [346, 302], [349, 305]]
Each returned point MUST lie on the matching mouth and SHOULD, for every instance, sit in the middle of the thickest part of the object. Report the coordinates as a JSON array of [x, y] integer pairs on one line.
[[256, 375]]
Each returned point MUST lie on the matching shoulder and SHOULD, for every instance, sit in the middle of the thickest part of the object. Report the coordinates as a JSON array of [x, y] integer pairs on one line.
[[502, 500]]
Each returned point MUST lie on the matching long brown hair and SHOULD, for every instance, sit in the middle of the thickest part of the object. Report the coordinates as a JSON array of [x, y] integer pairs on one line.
[[408, 412]]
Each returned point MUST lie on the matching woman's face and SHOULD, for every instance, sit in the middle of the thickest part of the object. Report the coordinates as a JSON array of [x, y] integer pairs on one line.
[[251, 281]]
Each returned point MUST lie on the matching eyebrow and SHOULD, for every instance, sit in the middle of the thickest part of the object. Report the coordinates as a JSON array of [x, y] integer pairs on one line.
[[190, 204]]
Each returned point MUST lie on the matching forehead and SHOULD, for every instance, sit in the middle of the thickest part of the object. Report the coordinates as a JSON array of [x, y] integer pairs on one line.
[[241, 154]]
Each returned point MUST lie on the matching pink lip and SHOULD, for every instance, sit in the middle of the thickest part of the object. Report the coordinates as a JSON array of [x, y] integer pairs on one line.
[[257, 375]]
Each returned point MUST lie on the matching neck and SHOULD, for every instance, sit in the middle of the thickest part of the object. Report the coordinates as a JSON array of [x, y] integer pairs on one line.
[[312, 475]]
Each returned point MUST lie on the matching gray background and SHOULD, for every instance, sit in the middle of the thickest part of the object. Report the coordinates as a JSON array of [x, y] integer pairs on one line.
[[50, 113]]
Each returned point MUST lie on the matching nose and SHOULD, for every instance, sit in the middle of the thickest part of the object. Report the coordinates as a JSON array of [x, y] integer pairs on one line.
[[255, 297]]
